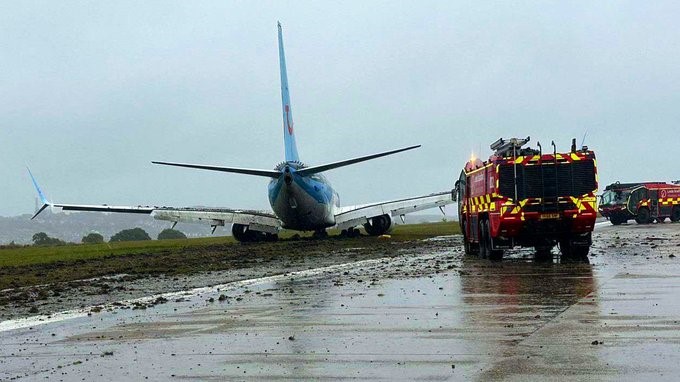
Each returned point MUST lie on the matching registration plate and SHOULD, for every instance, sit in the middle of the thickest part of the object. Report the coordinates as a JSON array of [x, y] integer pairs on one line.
[[555, 215]]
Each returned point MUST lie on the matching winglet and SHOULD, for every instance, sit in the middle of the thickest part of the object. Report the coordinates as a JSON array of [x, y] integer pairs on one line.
[[43, 199]]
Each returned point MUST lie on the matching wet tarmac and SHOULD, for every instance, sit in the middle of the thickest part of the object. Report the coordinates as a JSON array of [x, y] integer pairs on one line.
[[433, 316]]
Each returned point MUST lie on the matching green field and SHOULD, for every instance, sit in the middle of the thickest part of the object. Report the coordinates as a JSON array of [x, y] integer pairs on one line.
[[33, 265]]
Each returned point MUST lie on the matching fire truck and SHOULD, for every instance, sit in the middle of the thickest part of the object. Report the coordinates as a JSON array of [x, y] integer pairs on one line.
[[645, 202], [527, 198]]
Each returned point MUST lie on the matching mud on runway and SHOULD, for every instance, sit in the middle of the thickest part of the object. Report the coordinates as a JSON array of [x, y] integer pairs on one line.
[[426, 312]]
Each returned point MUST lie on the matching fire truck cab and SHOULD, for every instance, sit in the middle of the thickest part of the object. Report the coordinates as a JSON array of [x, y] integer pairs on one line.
[[524, 197]]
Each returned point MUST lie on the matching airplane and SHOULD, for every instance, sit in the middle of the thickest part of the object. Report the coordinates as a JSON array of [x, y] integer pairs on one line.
[[300, 196]]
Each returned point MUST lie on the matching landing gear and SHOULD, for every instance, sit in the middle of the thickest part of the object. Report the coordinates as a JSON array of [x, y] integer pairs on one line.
[[350, 232], [320, 234]]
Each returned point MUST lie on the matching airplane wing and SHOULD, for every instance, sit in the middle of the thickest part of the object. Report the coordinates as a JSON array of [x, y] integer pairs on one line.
[[352, 216], [255, 220]]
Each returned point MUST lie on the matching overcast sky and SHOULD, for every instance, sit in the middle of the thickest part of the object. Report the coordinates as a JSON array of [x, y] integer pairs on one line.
[[92, 91]]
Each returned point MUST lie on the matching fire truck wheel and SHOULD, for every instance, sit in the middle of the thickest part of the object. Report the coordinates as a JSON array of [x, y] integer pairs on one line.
[[483, 240], [643, 217], [466, 244], [574, 253], [675, 215], [615, 220], [492, 254], [543, 253]]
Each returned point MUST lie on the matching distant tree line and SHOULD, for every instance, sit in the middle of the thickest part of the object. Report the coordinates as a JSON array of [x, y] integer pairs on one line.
[[41, 238], [134, 234], [93, 238]]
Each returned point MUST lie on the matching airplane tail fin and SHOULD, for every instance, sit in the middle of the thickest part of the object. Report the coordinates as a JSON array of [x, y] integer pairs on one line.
[[43, 199], [288, 131]]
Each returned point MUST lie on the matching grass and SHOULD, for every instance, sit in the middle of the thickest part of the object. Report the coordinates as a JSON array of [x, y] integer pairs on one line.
[[35, 265], [33, 255]]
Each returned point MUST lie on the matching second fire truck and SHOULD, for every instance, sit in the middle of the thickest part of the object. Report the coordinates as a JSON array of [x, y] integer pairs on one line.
[[645, 202], [525, 197]]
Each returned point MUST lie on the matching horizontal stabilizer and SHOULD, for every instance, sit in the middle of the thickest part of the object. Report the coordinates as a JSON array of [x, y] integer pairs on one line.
[[330, 166], [247, 171]]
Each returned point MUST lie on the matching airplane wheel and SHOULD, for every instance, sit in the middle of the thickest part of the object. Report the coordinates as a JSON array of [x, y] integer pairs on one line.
[[320, 234], [350, 232]]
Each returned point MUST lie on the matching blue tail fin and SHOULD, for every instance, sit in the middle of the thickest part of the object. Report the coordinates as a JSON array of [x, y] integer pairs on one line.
[[288, 132]]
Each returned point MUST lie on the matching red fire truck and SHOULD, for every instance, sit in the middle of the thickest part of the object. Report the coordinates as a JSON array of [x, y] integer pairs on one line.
[[645, 202], [524, 197]]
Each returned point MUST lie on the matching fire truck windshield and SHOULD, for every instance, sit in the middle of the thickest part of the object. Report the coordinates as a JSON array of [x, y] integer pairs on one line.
[[614, 197]]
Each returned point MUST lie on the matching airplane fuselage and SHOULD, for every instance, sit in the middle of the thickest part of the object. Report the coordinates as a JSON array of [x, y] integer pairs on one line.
[[302, 202]]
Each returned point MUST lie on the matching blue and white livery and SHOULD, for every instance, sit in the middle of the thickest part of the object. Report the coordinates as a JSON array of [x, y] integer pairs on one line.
[[300, 196]]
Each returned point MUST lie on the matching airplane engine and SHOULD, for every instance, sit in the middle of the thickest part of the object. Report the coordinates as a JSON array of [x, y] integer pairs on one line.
[[244, 234], [379, 225]]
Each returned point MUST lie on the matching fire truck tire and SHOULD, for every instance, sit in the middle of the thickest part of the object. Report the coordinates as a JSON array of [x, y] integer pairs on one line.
[[492, 254], [675, 215], [543, 253], [467, 246], [643, 217], [574, 253], [483, 240], [616, 221]]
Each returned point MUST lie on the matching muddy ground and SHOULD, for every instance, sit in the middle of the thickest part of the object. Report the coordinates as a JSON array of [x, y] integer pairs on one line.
[[187, 269]]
